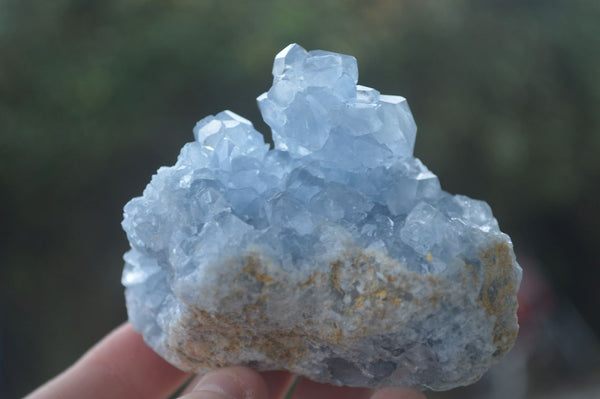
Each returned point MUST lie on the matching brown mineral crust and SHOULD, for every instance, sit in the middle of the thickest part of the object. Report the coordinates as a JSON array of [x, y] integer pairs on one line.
[[232, 332], [335, 270], [498, 295], [202, 338], [385, 293], [253, 268], [311, 280]]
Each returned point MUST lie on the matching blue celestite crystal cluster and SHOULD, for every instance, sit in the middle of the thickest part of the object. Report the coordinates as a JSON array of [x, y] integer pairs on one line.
[[335, 255]]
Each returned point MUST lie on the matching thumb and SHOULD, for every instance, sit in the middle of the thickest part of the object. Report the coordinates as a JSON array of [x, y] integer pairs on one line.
[[229, 383]]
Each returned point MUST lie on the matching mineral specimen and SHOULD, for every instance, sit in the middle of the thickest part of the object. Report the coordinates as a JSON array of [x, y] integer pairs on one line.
[[336, 255]]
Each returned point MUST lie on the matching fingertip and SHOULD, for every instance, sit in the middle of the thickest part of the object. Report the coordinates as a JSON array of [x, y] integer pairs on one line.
[[230, 383], [398, 393]]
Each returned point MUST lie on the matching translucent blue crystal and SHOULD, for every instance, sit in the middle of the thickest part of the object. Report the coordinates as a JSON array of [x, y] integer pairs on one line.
[[338, 246]]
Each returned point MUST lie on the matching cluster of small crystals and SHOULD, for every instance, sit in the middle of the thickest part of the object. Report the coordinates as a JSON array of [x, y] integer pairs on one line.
[[342, 174]]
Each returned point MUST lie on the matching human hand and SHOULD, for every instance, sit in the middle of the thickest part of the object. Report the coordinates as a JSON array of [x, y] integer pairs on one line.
[[122, 366]]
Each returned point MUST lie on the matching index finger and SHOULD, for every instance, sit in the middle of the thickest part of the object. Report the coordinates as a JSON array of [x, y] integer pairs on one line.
[[119, 366]]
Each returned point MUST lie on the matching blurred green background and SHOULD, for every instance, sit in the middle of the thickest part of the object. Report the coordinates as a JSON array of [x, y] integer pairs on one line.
[[96, 95]]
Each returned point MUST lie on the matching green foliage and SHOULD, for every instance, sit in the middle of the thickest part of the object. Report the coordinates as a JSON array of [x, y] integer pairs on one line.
[[95, 95]]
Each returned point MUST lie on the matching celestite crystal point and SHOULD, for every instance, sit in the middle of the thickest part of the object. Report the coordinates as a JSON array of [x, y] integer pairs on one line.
[[336, 255]]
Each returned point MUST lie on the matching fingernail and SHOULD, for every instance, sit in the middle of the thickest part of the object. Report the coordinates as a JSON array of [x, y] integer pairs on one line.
[[220, 385]]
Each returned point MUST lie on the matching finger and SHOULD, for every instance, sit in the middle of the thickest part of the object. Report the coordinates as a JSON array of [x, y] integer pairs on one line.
[[120, 366], [313, 390], [230, 383], [397, 393], [278, 382]]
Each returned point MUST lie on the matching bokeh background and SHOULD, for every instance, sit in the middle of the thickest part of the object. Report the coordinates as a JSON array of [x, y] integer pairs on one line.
[[96, 95]]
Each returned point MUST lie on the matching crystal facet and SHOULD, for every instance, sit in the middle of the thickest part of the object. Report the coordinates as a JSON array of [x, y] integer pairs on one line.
[[336, 255]]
